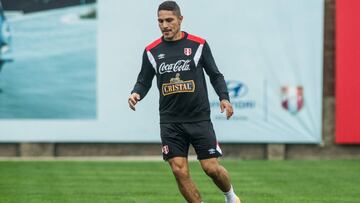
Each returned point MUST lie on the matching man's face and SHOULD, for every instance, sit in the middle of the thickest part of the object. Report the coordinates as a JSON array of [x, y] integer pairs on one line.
[[169, 24]]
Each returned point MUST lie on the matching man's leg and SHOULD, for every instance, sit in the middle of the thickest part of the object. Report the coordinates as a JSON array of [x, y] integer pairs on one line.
[[220, 176], [217, 173], [175, 150], [180, 169]]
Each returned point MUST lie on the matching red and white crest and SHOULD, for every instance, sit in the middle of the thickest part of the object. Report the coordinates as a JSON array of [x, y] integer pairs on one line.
[[187, 51], [165, 149], [292, 98]]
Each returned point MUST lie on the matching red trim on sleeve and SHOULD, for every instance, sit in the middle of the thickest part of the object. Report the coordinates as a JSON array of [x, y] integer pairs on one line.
[[196, 39], [153, 44]]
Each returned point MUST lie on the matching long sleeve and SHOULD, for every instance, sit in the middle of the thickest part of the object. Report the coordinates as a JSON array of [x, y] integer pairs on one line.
[[145, 77], [216, 77]]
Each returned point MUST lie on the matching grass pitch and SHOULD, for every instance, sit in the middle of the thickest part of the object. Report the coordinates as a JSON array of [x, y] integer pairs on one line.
[[152, 182]]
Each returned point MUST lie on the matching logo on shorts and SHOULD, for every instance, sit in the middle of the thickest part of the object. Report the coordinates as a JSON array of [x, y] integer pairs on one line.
[[212, 151], [165, 149], [187, 51], [177, 85]]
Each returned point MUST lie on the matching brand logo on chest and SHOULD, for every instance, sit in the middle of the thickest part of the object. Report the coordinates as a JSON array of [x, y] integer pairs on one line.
[[176, 85], [179, 66], [161, 56], [187, 51]]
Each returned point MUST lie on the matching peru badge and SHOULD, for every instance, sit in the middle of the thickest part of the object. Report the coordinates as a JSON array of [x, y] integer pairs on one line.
[[187, 51], [292, 98]]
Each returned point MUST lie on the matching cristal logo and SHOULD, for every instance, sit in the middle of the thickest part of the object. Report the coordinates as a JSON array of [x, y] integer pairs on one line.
[[236, 89], [181, 65]]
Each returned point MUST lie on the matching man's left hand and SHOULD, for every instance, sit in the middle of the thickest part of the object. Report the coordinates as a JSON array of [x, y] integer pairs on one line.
[[226, 105]]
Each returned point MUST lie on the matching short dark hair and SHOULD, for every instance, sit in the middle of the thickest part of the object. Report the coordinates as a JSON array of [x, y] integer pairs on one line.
[[170, 6]]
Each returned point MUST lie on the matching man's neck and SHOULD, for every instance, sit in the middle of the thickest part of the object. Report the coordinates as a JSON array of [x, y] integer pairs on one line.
[[178, 36]]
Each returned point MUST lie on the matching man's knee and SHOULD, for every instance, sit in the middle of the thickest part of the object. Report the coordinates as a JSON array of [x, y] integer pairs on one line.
[[212, 171], [179, 169], [180, 173]]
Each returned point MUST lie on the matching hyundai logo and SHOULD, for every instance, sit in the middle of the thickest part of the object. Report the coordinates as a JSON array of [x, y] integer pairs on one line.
[[236, 89]]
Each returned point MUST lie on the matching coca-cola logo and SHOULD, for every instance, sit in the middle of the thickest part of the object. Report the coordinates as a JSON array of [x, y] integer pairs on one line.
[[179, 66]]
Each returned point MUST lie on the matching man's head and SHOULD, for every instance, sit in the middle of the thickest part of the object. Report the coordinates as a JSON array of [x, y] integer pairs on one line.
[[169, 19]]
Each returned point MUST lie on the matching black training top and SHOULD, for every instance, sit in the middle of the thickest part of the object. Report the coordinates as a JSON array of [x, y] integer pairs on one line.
[[178, 66]]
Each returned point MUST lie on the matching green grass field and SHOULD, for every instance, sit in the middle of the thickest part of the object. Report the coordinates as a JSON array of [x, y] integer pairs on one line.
[[335, 181]]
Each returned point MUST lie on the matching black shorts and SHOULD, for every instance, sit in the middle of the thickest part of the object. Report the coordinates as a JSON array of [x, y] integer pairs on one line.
[[177, 137]]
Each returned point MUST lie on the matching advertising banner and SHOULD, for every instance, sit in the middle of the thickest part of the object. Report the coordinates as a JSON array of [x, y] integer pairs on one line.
[[270, 53]]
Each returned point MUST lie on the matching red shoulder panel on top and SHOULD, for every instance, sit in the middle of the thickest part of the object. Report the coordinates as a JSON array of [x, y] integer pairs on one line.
[[196, 39], [153, 44]]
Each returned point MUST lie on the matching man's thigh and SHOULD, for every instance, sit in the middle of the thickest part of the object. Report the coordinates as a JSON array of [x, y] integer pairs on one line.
[[175, 143], [203, 138]]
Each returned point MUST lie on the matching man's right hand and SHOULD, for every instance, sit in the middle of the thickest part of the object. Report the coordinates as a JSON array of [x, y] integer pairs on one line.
[[133, 99]]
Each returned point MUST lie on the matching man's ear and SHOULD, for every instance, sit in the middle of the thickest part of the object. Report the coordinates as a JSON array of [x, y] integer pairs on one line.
[[181, 18]]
